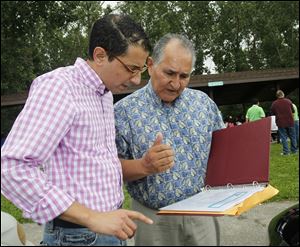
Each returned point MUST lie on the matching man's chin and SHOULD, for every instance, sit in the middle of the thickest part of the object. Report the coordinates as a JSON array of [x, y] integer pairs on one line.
[[169, 100], [120, 89], [170, 97]]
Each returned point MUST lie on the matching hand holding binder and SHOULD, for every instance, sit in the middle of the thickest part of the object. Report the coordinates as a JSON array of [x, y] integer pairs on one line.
[[237, 173]]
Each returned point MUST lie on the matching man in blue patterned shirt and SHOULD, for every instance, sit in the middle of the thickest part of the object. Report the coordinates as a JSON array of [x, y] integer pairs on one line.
[[186, 119]]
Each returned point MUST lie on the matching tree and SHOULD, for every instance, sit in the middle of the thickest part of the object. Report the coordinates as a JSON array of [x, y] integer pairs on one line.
[[255, 35], [191, 18], [38, 36]]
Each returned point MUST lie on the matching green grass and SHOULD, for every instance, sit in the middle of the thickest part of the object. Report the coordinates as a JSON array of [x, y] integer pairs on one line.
[[284, 176], [127, 201], [7, 206]]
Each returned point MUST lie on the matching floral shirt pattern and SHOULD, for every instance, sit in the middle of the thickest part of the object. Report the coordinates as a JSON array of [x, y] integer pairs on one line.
[[186, 125]]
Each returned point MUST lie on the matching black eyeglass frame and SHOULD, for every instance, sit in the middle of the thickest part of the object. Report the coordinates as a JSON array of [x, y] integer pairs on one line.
[[134, 72]]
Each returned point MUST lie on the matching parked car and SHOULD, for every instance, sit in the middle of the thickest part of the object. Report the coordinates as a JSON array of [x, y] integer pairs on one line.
[[284, 228]]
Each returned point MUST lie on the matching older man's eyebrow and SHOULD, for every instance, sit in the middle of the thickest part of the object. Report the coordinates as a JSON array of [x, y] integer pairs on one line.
[[185, 74], [171, 71]]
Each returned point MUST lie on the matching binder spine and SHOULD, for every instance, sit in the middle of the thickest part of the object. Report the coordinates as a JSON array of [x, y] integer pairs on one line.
[[231, 186]]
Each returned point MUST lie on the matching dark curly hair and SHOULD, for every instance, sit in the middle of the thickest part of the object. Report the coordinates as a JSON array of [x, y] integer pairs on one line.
[[115, 33]]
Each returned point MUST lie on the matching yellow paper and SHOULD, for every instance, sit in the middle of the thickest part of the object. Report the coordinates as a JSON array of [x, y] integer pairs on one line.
[[238, 209]]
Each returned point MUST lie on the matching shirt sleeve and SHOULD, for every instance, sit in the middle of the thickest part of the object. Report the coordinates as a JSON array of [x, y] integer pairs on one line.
[[247, 114], [36, 133], [218, 122], [123, 132], [293, 109]]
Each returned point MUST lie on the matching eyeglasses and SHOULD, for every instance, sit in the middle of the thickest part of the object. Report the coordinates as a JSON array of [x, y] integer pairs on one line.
[[134, 72]]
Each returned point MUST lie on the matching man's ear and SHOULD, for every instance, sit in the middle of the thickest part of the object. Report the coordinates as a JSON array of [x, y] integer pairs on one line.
[[150, 65], [99, 55], [149, 61]]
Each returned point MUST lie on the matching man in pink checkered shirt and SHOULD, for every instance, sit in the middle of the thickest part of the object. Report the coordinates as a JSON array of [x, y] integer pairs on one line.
[[67, 128]]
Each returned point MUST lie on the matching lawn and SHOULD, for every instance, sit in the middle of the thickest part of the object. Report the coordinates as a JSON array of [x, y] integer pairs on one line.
[[284, 175]]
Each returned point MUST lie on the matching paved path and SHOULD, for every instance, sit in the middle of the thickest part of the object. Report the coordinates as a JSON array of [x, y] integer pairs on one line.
[[248, 229]]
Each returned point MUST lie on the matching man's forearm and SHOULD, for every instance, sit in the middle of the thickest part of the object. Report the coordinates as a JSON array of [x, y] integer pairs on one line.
[[133, 169], [78, 214]]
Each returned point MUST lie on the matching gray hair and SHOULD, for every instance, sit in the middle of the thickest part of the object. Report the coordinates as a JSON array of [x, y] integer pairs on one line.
[[279, 94], [159, 47]]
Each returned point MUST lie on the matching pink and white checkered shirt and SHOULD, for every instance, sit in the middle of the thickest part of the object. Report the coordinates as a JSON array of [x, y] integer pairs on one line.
[[67, 128]]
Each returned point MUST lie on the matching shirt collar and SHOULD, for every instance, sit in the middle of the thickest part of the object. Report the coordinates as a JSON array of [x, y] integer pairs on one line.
[[157, 100], [90, 78]]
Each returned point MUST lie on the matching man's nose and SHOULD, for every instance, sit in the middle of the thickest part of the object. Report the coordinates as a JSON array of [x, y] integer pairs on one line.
[[136, 79], [176, 83]]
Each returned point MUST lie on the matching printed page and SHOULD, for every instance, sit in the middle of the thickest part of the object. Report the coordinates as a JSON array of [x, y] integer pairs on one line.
[[215, 200]]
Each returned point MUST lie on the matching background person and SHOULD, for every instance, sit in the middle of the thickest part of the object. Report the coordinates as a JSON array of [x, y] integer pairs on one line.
[[296, 123], [229, 122], [282, 108], [67, 128], [274, 130], [186, 118], [255, 112]]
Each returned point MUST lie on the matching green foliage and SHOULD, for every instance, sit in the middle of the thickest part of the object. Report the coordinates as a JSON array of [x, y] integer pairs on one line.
[[237, 35], [251, 35], [192, 18], [39, 36], [8, 117]]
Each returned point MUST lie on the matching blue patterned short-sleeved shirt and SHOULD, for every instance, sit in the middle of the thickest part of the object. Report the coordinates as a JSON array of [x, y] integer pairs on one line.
[[186, 125]]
